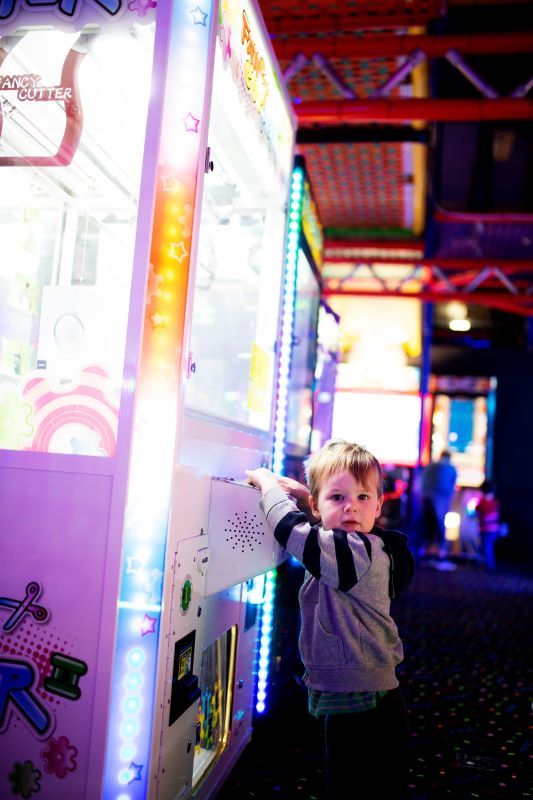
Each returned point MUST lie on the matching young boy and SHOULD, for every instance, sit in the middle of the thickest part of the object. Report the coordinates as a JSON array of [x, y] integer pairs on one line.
[[348, 642]]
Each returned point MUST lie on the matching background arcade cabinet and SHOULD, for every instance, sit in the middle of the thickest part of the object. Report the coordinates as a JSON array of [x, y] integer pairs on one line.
[[378, 401], [145, 160], [462, 422]]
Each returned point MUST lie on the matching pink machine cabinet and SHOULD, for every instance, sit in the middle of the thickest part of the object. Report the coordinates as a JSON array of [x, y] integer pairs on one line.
[[145, 166]]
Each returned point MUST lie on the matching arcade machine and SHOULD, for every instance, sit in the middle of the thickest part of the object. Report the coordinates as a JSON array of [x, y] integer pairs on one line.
[[377, 398], [462, 422], [298, 346], [145, 164]]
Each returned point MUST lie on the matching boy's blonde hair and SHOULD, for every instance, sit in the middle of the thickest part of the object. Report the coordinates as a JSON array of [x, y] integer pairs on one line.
[[338, 455]]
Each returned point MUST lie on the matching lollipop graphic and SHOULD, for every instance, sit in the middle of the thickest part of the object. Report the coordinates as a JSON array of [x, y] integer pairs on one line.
[[81, 419]]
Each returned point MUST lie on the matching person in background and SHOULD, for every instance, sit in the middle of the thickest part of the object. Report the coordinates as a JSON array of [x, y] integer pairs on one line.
[[438, 485], [349, 643], [488, 514]]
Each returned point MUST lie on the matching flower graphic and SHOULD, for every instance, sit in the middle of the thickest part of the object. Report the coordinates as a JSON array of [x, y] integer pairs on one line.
[[59, 757], [25, 780], [141, 6], [15, 422]]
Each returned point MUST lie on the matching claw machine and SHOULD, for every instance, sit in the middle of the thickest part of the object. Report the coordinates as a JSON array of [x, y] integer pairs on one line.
[[145, 162]]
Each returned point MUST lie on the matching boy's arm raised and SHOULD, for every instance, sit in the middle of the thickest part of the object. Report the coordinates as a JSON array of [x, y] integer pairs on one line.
[[328, 555]]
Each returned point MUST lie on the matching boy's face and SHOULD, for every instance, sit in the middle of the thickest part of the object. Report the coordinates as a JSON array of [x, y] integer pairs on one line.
[[347, 505]]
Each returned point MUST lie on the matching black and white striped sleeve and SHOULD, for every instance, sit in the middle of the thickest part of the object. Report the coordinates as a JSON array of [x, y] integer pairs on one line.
[[331, 556]]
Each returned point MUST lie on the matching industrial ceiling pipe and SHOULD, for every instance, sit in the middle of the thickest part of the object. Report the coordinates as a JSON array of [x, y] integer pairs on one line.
[[329, 112], [325, 22], [390, 45]]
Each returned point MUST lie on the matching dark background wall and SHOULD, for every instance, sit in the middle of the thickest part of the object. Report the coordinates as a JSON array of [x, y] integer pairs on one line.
[[513, 434]]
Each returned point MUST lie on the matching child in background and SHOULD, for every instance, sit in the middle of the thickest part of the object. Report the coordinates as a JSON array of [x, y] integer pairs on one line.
[[349, 643], [488, 514]]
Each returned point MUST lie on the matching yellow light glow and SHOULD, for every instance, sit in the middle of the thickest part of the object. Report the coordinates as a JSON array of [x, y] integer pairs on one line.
[[452, 524], [456, 310]]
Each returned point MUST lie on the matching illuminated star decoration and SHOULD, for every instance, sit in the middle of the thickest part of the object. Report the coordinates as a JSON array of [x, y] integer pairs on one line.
[[154, 285], [178, 251], [135, 770], [171, 183], [158, 320], [142, 429], [168, 374], [186, 220], [198, 16], [135, 565], [191, 123], [153, 587], [148, 624], [227, 49]]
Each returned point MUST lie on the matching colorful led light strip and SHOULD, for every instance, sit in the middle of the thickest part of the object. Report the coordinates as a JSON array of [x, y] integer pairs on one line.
[[280, 425], [289, 299], [265, 637], [157, 398]]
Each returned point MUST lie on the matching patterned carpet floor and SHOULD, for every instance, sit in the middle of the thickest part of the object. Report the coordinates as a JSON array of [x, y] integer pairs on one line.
[[467, 680]]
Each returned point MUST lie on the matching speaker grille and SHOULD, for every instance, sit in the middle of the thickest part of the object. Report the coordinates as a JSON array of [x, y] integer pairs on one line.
[[244, 532]]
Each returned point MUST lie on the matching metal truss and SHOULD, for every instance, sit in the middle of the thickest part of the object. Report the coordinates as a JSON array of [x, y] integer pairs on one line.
[[415, 49], [506, 285]]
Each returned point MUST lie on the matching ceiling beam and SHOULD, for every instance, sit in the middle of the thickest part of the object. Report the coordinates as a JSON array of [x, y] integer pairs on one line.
[[389, 45], [333, 112], [498, 300], [482, 217], [278, 24], [458, 264], [345, 134], [374, 244]]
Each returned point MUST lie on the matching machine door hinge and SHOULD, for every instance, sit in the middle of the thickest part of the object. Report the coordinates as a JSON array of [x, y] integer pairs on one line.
[[208, 163], [191, 366]]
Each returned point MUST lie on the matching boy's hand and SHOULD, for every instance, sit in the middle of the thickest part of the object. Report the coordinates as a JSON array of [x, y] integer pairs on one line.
[[302, 496], [262, 478], [295, 489]]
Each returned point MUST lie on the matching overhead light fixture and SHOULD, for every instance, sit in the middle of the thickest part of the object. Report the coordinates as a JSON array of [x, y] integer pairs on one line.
[[457, 313], [459, 324]]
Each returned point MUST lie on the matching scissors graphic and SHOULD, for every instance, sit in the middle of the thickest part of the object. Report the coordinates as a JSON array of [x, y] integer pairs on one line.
[[25, 606]]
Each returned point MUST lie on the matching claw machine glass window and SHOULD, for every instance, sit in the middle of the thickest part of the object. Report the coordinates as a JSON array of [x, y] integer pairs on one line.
[[74, 109], [240, 250], [214, 704]]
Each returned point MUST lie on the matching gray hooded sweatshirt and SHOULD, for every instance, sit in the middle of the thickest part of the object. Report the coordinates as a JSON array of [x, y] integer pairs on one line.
[[348, 640]]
